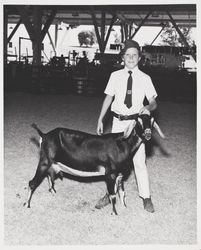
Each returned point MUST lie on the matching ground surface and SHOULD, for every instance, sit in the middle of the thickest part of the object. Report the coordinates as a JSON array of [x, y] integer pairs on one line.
[[69, 217]]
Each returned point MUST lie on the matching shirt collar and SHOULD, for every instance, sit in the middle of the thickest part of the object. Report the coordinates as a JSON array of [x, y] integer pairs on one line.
[[133, 70]]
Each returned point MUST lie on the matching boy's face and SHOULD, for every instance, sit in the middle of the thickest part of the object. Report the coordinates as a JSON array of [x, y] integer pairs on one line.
[[131, 58]]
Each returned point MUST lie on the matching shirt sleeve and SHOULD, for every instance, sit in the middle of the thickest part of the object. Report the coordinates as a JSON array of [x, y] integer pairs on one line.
[[150, 91], [110, 88]]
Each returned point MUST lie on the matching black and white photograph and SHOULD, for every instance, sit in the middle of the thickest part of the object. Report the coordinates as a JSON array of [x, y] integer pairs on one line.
[[100, 116]]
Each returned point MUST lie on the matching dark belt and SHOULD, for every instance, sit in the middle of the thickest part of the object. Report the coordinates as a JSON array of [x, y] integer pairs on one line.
[[125, 117]]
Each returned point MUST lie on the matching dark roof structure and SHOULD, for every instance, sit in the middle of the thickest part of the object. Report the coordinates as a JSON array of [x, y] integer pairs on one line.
[[38, 18], [183, 14]]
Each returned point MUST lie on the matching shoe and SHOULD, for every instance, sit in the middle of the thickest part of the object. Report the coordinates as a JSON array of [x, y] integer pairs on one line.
[[103, 202], [148, 205]]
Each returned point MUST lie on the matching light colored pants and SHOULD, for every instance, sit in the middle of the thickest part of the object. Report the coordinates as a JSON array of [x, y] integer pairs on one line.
[[139, 161]]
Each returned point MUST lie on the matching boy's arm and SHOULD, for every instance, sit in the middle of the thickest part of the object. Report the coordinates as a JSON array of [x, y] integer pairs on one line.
[[150, 107], [106, 104]]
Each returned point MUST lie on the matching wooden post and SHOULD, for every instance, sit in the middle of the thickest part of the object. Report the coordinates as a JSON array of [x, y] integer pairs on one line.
[[36, 43], [37, 23], [122, 33], [103, 29]]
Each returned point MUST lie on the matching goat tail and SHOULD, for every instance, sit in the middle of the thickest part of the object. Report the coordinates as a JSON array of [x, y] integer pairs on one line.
[[37, 129]]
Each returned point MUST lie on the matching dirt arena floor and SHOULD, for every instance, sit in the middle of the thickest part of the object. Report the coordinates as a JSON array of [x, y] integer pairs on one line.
[[69, 216]]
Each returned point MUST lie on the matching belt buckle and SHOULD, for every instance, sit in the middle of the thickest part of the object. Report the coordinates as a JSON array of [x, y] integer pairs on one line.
[[119, 117]]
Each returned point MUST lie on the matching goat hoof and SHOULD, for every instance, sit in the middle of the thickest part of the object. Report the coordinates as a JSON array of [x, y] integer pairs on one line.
[[51, 190], [114, 213], [26, 205]]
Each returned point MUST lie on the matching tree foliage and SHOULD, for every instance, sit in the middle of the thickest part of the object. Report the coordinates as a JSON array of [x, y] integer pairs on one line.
[[87, 38], [171, 37]]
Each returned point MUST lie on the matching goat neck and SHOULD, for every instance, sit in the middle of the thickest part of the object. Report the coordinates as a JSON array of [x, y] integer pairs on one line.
[[134, 141]]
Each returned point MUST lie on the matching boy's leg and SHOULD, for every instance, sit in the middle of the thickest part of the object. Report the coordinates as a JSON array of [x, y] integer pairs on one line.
[[142, 177]]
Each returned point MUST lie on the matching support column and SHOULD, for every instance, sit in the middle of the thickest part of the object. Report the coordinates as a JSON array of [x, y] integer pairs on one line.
[[37, 23], [36, 43], [56, 36], [102, 28], [122, 33], [102, 41]]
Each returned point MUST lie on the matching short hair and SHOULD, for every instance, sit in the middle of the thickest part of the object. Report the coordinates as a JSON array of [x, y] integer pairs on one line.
[[130, 44]]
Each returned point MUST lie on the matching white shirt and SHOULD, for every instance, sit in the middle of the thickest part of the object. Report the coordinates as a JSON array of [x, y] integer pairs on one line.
[[142, 87]]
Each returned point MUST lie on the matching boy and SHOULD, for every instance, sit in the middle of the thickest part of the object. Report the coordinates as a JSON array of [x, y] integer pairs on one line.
[[126, 90]]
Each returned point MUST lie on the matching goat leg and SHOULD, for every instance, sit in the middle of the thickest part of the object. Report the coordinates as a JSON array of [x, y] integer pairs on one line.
[[32, 187], [113, 201], [29, 195], [111, 186], [119, 186], [35, 182], [51, 184]]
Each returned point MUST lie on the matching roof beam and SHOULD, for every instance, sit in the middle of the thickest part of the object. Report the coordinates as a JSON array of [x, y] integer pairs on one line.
[[51, 43], [102, 41], [13, 31], [141, 24], [123, 18], [48, 23], [25, 18], [96, 30], [157, 35], [109, 30]]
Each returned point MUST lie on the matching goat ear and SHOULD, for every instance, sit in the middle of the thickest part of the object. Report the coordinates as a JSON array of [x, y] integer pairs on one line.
[[152, 121], [159, 130], [129, 129]]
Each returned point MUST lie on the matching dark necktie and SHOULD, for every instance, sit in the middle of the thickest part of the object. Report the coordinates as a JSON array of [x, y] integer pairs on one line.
[[128, 98]]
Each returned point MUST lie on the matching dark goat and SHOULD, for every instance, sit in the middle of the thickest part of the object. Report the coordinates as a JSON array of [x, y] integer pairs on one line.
[[84, 154]]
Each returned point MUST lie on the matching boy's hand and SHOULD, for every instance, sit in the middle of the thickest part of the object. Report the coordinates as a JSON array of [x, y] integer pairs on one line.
[[99, 129], [144, 111]]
